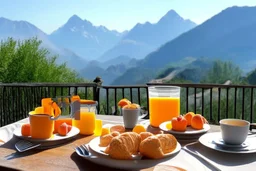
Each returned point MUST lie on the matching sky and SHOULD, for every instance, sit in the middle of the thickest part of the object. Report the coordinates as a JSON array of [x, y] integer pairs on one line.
[[120, 15]]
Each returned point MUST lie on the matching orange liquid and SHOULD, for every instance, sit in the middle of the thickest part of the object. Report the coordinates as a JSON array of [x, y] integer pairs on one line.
[[163, 109], [98, 127], [86, 124]]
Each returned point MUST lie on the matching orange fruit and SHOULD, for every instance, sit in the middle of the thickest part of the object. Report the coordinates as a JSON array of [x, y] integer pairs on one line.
[[25, 130], [124, 102], [139, 128], [58, 122], [179, 123], [188, 116], [63, 129], [197, 121]]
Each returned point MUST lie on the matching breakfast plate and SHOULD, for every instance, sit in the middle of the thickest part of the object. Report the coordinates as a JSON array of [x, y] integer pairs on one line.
[[103, 159], [56, 137], [189, 134], [211, 140]]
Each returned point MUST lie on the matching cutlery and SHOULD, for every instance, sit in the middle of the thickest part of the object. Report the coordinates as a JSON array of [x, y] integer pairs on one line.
[[199, 156], [83, 151], [24, 145]]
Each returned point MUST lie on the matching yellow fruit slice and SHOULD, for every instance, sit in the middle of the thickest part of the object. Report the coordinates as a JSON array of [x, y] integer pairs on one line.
[[139, 128], [105, 131], [169, 125], [39, 110]]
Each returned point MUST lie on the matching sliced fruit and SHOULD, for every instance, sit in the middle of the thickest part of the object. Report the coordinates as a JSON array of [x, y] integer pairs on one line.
[[139, 128], [60, 121], [63, 129], [169, 125], [124, 102], [39, 110]]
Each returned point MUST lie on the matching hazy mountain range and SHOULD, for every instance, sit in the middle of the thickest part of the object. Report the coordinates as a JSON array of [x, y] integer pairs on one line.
[[23, 30], [137, 55], [145, 38], [85, 39], [229, 35]]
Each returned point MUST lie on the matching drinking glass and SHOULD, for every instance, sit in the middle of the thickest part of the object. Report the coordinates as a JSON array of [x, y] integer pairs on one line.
[[164, 104], [98, 127]]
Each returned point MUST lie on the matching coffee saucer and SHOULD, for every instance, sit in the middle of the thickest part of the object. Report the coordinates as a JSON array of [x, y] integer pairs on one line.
[[221, 143], [211, 140]]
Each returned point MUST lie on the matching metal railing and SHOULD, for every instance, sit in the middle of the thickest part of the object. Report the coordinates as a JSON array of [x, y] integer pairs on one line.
[[214, 101]]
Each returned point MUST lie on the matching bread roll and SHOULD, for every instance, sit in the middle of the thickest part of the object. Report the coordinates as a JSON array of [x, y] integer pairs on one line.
[[168, 142], [124, 146], [106, 139], [156, 146]]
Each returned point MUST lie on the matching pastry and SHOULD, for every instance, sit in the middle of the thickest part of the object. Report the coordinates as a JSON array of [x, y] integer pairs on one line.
[[118, 128], [106, 139], [151, 148], [124, 146], [168, 142], [144, 135], [156, 146]]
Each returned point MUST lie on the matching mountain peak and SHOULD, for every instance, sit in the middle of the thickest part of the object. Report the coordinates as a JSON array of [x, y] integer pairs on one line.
[[169, 16], [172, 13], [75, 19]]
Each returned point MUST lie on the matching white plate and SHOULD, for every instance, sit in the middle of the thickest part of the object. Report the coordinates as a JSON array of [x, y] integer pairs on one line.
[[209, 139], [189, 131], [56, 137], [104, 159]]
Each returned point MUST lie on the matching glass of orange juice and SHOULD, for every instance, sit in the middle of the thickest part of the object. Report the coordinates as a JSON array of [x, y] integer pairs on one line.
[[85, 118], [98, 127], [164, 104]]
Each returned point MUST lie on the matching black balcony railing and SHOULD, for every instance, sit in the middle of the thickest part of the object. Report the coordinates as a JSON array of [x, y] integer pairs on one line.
[[214, 101]]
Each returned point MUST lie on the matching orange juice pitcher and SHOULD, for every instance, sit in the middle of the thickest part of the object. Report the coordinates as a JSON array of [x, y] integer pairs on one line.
[[164, 104], [84, 115]]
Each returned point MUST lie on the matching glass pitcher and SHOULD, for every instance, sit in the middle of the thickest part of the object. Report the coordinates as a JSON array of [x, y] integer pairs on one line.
[[164, 104]]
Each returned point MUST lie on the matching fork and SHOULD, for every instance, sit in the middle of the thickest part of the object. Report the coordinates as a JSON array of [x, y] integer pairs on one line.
[[83, 151], [24, 145]]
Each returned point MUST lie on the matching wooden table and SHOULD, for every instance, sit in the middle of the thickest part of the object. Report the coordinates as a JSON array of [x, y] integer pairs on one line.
[[58, 158]]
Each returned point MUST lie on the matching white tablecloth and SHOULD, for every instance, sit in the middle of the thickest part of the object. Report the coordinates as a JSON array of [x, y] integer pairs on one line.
[[6, 132]]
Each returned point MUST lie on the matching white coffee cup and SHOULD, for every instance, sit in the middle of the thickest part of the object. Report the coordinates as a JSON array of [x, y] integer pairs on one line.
[[234, 131], [130, 117]]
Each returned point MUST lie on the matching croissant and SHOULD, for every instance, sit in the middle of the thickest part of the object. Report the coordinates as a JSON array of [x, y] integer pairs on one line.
[[124, 146], [106, 139], [157, 145]]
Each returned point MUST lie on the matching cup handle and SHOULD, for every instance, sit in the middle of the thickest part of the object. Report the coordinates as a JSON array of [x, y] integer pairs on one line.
[[57, 111], [142, 116], [252, 126]]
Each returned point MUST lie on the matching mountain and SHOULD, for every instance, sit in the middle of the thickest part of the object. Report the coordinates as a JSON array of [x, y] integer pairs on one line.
[[108, 70], [229, 35], [24, 30], [147, 37], [85, 39]]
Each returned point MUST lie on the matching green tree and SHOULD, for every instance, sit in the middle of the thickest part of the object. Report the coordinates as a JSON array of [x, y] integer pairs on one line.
[[25, 61], [222, 71]]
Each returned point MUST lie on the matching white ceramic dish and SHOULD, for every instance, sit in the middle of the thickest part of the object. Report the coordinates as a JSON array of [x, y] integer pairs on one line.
[[189, 131], [56, 137], [103, 159], [209, 140]]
